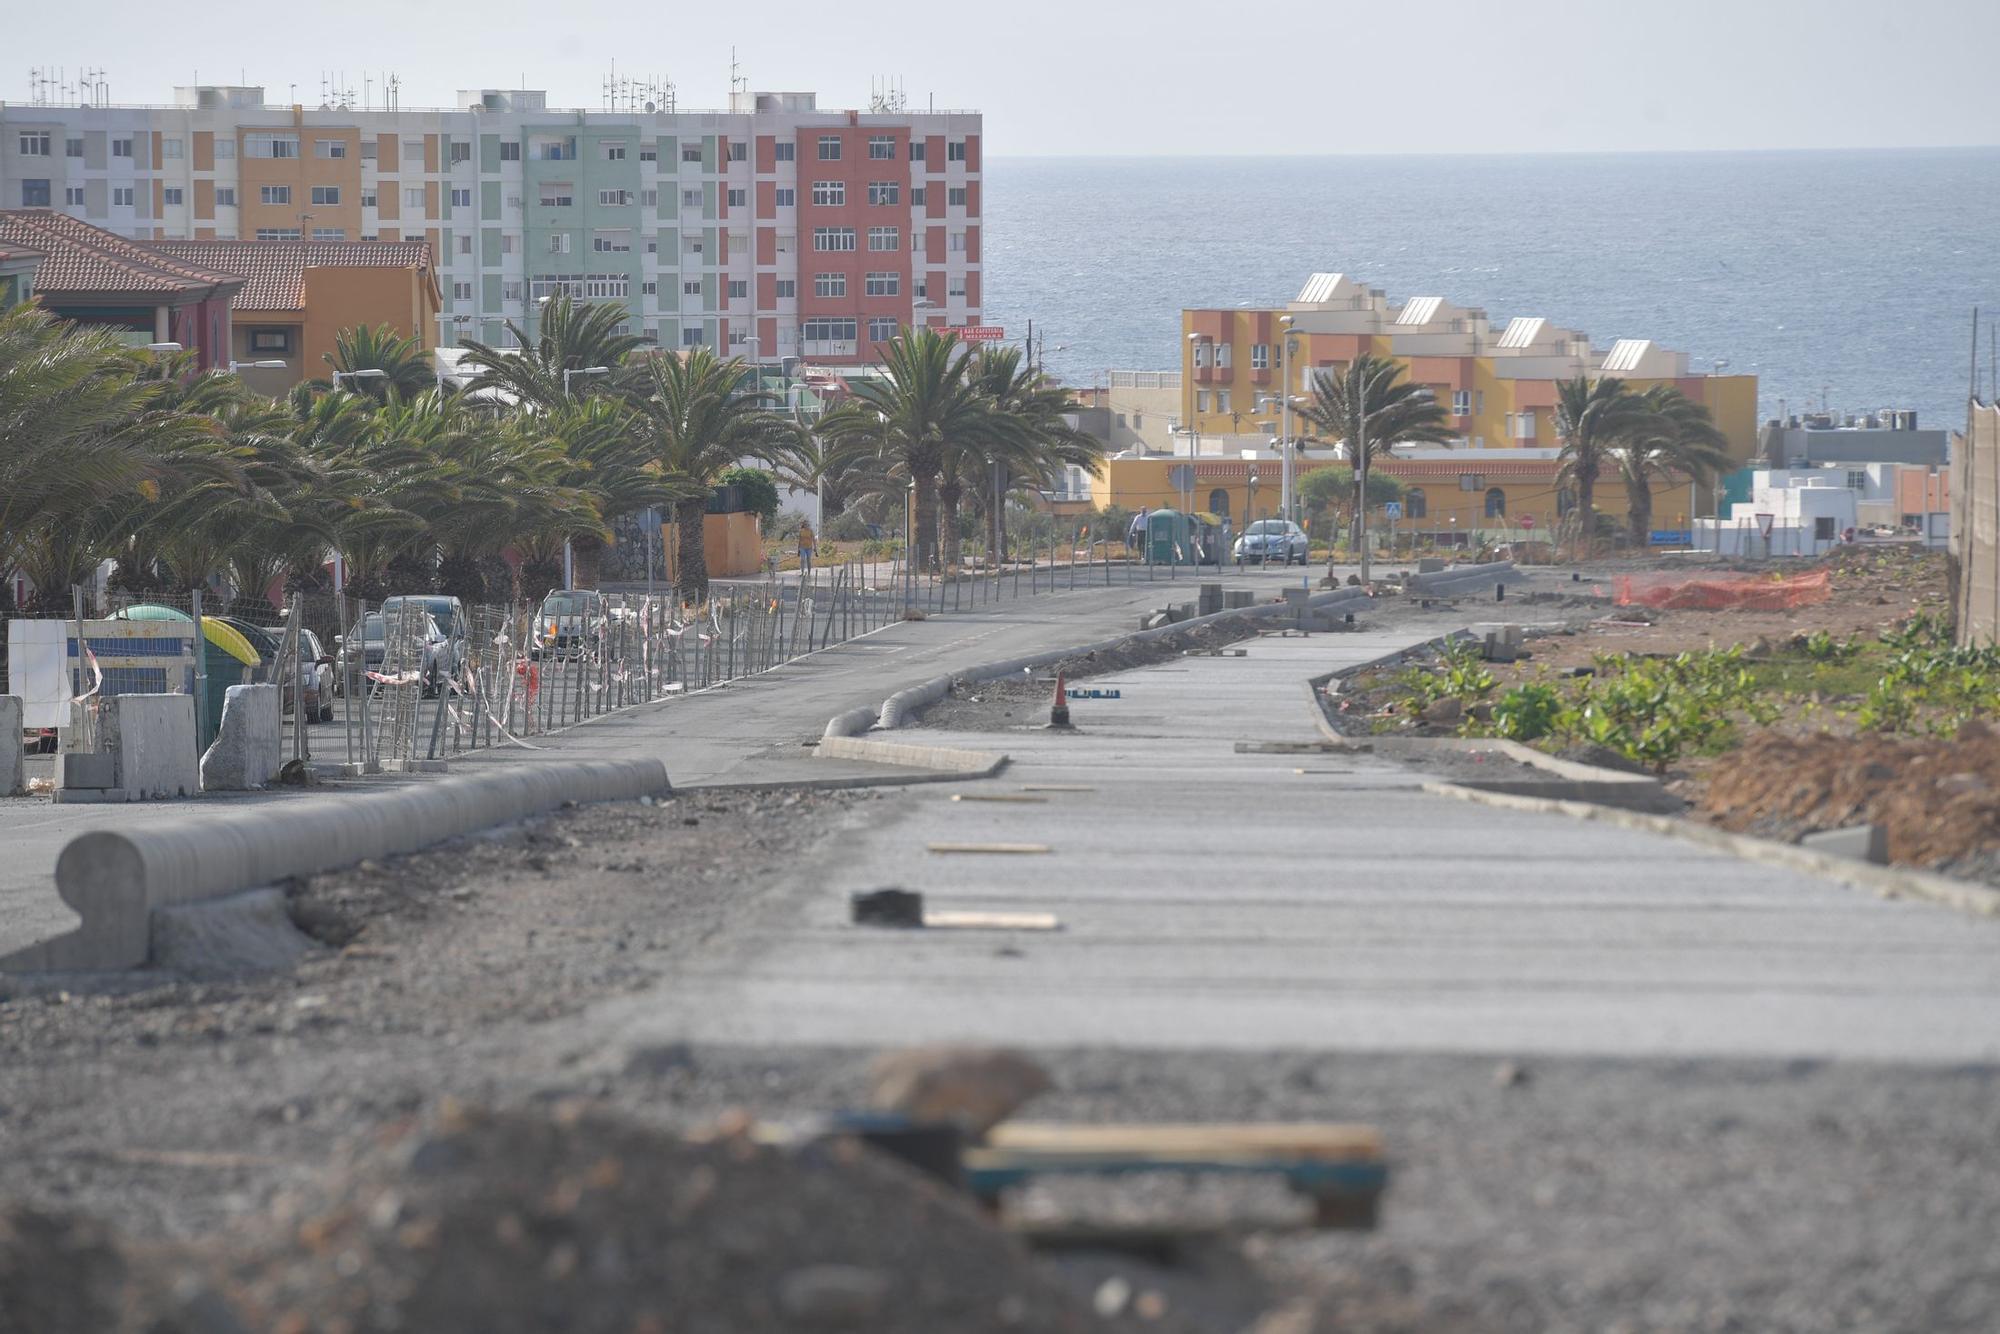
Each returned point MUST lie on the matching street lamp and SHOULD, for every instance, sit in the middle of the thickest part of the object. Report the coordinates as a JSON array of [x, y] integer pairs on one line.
[[571, 371], [161, 349], [369, 373], [1195, 341], [238, 367], [1285, 323], [569, 550]]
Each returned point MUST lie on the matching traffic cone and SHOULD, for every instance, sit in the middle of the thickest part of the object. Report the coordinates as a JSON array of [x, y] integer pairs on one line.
[[1059, 711]]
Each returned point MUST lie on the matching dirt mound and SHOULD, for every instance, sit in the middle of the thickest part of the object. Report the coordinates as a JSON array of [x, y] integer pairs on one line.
[[1939, 799]]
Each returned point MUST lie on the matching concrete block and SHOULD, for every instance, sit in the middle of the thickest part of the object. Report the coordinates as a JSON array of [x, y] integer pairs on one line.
[[149, 743], [250, 743], [13, 766], [1429, 564], [1503, 644], [1208, 599], [1862, 842], [86, 770], [115, 880], [1236, 599]]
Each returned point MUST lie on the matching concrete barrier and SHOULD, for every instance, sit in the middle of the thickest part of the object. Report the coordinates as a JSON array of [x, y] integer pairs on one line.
[[13, 768], [147, 751], [116, 880], [1461, 579], [943, 759], [249, 744]]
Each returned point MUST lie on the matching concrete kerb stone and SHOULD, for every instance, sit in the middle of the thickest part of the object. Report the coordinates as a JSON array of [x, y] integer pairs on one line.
[[1460, 578], [1887, 881], [248, 744], [949, 759], [115, 881], [13, 764]]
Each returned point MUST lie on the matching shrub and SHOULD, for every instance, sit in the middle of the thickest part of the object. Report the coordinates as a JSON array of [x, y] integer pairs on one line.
[[1527, 712], [760, 490]]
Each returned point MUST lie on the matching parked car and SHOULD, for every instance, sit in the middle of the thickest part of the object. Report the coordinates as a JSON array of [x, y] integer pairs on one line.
[[569, 624], [1274, 539], [451, 618], [370, 640], [318, 672]]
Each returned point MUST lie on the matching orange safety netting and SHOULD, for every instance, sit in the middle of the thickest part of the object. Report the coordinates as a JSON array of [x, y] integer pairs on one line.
[[1723, 592]]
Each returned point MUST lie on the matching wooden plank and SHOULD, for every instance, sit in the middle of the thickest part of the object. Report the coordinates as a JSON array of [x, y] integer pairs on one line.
[[1190, 1139], [1003, 849], [1322, 771], [1057, 787], [996, 796], [993, 921]]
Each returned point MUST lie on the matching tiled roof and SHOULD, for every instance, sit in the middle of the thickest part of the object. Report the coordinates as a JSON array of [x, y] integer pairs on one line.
[[275, 271], [1481, 462], [86, 259]]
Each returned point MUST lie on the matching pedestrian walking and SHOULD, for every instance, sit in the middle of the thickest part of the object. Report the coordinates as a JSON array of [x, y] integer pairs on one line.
[[806, 544]]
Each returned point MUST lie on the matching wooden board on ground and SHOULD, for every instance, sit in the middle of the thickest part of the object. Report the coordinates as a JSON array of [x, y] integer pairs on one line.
[[992, 921], [1189, 1139], [1004, 849]]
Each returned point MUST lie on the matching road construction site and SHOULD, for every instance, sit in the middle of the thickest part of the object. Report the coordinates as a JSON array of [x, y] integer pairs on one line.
[[1624, 1079]]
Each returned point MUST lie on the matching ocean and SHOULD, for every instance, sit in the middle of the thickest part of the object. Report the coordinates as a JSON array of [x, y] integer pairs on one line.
[[1843, 277]]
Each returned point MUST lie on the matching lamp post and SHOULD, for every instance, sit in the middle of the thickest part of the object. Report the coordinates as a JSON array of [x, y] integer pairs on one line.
[[162, 349], [1195, 340], [573, 371], [238, 367], [569, 550], [1361, 480], [1285, 402], [366, 373]]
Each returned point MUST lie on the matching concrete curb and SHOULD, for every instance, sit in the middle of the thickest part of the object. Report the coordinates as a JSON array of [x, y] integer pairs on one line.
[[948, 759], [1886, 881], [1445, 583], [115, 881]]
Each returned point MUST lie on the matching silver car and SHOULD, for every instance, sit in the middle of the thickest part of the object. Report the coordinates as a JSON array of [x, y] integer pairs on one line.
[[1274, 539]]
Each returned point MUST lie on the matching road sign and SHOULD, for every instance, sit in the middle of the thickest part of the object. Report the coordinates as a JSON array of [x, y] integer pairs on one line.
[[1392, 509], [1764, 522], [1670, 537], [1181, 476], [977, 333], [1527, 521]]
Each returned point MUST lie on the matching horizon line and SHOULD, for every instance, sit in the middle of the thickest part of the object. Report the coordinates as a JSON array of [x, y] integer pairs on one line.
[[1510, 153]]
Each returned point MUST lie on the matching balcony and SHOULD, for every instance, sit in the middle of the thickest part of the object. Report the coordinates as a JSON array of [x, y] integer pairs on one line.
[[830, 347]]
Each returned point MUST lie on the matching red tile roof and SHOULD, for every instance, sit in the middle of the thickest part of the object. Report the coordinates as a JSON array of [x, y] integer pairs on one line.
[[275, 271], [86, 260]]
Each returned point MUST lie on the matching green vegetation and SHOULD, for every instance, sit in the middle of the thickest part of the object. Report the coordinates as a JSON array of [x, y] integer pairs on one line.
[[1646, 437]]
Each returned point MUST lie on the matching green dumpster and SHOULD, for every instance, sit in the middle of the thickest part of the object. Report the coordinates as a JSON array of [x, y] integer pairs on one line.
[[1167, 538]]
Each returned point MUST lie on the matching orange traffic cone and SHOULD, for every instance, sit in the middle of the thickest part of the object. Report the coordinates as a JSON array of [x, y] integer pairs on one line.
[[1059, 711]]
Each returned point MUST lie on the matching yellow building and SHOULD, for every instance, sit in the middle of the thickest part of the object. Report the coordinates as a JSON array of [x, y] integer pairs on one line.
[[1499, 387]]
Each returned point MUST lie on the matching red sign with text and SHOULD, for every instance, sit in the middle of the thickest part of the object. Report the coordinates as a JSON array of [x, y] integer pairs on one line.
[[977, 333]]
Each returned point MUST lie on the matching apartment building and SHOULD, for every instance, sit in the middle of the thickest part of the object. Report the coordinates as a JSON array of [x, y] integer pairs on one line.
[[772, 230], [1498, 384]]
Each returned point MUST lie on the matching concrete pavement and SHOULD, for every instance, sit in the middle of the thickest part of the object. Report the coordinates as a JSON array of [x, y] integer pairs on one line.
[[1212, 899]]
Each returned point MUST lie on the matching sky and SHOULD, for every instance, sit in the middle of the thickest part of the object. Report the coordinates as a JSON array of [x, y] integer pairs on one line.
[[1146, 77]]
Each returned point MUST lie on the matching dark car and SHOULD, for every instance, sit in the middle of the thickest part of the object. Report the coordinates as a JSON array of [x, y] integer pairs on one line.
[[569, 623]]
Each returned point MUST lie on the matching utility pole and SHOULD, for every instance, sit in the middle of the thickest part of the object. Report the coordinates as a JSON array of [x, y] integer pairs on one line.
[[1361, 479]]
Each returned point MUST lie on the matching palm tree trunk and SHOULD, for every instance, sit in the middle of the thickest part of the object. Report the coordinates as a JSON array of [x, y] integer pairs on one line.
[[949, 492], [1586, 514], [588, 553], [924, 540], [689, 518], [1000, 514], [1639, 510]]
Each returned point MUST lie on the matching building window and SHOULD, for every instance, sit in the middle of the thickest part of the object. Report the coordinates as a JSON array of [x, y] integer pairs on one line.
[[917, 196], [611, 243], [691, 198], [369, 148], [955, 151], [258, 145], [72, 196], [1222, 400], [557, 194], [784, 152], [559, 243], [739, 152], [225, 196], [324, 194], [35, 143], [649, 152], [833, 238], [786, 289], [883, 284], [955, 285], [461, 198], [882, 328], [957, 243], [277, 233], [885, 192], [464, 243], [329, 233], [172, 150], [1201, 400], [649, 199], [613, 150], [173, 196], [739, 289], [1479, 402], [1496, 503], [829, 194], [461, 151], [270, 340], [461, 291], [830, 330], [829, 148], [738, 198], [1414, 504], [1857, 479], [1461, 402], [614, 198], [916, 150], [510, 152], [508, 243], [649, 288], [35, 192], [784, 196], [787, 243], [555, 150], [510, 289], [882, 239], [368, 198], [275, 194], [73, 148], [1199, 351], [541, 286], [1260, 356], [123, 148], [691, 287], [413, 197], [691, 337], [691, 153], [954, 196], [321, 148], [829, 284]]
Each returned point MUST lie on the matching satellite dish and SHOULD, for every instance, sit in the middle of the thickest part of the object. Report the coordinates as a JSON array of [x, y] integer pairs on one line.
[[649, 108]]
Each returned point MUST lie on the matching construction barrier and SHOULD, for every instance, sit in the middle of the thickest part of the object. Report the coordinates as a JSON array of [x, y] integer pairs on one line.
[[1723, 592]]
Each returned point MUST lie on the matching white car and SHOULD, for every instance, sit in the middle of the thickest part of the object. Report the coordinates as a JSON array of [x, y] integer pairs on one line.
[[1273, 539]]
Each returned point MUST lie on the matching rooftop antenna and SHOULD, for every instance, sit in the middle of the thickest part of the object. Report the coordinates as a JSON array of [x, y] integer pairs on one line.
[[737, 83], [885, 95]]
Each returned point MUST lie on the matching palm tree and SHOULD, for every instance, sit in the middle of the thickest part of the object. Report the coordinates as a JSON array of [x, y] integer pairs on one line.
[[1042, 443], [1680, 439], [700, 415], [1370, 411], [574, 335], [1594, 420], [927, 403], [406, 368]]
